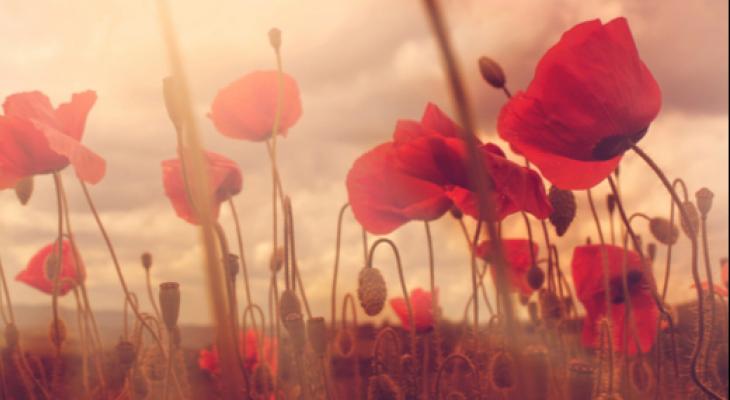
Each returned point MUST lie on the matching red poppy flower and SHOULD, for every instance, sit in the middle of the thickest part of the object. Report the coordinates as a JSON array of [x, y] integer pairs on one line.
[[422, 305], [424, 172], [591, 97], [36, 138], [209, 361], [518, 258], [588, 279], [224, 178], [246, 108], [40, 271]]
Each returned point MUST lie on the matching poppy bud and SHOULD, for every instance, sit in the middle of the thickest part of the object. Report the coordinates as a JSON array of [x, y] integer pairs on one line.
[[275, 38], [563, 203], [456, 213], [294, 324], [288, 304], [317, 334], [231, 263], [491, 72], [664, 231], [126, 354], [382, 387], [588, 241], [580, 380], [535, 277], [277, 260], [371, 291], [651, 251], [611, 203], [704, 200], [24, 189], [501, 371], [12, 335], [169, 298], [146, 260], [57, 332], [694, 220], [263, 382], [171, 91]]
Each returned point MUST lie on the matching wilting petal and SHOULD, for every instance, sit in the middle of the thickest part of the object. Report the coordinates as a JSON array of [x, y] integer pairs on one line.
[[89, 166], [589, 87], [422, 306], [246, 108], [39, 273], [224, 178]]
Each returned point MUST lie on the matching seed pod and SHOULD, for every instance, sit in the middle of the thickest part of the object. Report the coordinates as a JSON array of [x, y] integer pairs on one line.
[[344, 344], [232, 265], [169, 298], [12, 335], [371, 291], [563, 203], [535, 277], [501, 371], [491, 72], [704, 200], [664, 231], [382, 387], [317, 334], [146, 260], [263, 381], [694, 220], [580, 380], [126, 354], [277, 259], [641, 376], [294, 324], [275, 38], [536, 361], [24, 189], [288, 304], [57, 332]]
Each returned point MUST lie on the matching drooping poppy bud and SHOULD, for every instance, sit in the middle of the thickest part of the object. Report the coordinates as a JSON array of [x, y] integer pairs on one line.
[[146, 260], [664, 231], [564, 207], [371, 291], [169, 298], [276, 261], [491, 72], [611, 203], [535, 277]]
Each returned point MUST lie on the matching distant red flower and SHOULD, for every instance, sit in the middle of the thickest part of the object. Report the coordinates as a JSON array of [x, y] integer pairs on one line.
[[724, 273], [36, 138], [209, 361], [590, 98], [246, 108], [40, 271], [719, 290], [422, 305], [225, 180], [424, 172], [588, 279], [518, 258]]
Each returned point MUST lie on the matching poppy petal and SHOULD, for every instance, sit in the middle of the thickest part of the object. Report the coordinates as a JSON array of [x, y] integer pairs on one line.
[[72, 115]]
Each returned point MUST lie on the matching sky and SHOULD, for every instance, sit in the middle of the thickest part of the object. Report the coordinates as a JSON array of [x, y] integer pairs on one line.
[[360, 67]]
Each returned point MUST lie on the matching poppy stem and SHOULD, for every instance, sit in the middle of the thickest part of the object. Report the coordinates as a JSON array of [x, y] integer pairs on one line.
[[668, 267], [148, 283], [606, 289], [479, 172], [241, 254], [475, 294], [249, 310], [6, 294], [338, 238], [58, 266], [652, 283], [296, 276], [695, 271], [434, 303], [406, 298], [349, 299]]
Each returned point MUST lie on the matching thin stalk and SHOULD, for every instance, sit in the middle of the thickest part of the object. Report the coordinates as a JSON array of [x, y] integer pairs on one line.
[[148, 283], [242, 257], [338, 239], [293, 250], [58, 266], [475, 296]]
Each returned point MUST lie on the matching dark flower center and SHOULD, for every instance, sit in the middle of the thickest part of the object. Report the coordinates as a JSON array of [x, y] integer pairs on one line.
[[633, 279], [612, 146]]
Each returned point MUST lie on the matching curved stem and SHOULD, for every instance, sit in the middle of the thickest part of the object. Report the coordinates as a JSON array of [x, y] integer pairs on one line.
[[451, 357], [241, 254], [406, 298], [338, 238], [293, 251], [58, 266]]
